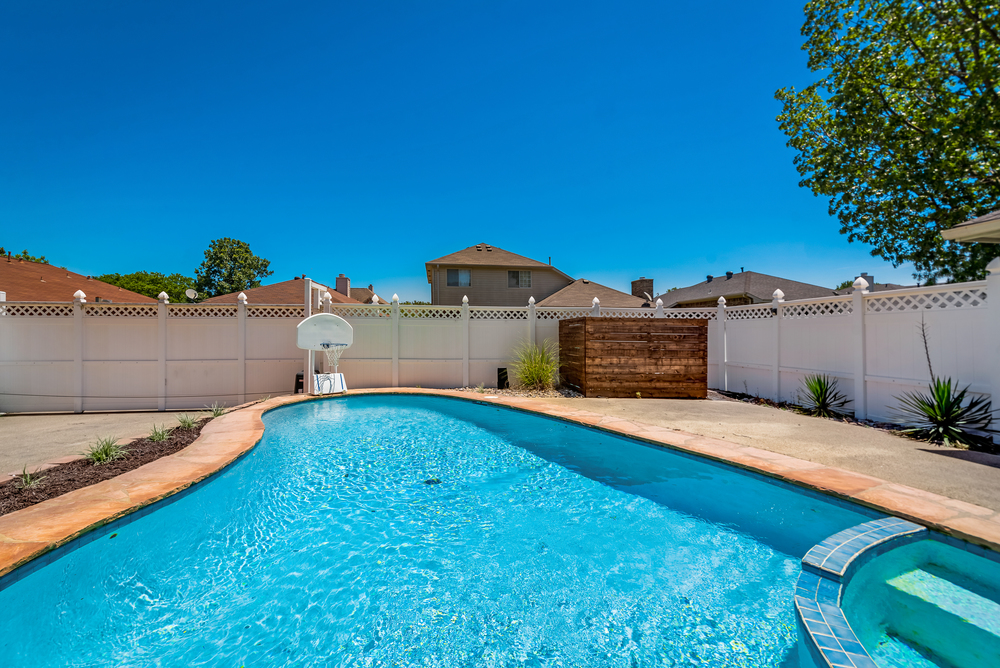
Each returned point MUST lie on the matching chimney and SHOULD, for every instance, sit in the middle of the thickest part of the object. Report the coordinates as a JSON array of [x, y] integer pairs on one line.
[[344, 285], [729, 275], [709, 278], [867, 277], [641, 286]]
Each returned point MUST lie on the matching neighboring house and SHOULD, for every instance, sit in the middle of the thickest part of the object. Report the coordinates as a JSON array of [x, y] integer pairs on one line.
[[746, 287], [873, 286], [491, 276], [26, 281], [363, 295], [581, 292], [286, 292]]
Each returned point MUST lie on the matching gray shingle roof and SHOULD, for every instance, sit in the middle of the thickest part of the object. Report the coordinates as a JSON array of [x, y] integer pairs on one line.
[[758, 286]]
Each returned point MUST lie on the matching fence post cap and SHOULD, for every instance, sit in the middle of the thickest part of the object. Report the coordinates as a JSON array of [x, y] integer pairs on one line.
[[395, 298], [531, 300], [778, 294], [327, 297], [659, 302], [163, 297], [596, 301], [722, 301], [242, 298], [465, 299], [79, 295], [860, 284], [994, 266]]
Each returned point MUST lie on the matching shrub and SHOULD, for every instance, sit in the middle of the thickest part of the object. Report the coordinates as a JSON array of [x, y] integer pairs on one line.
[[105, 450], [187, 421], [536, 367], [943, 415], [216, 409], [821, 397], [159, 433], [28, 480]]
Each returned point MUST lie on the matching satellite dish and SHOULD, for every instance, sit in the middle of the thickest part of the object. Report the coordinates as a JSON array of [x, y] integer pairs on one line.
[[191, 294]]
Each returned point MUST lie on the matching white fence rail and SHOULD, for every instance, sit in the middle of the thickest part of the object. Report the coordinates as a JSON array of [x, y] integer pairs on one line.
[[79, 356]]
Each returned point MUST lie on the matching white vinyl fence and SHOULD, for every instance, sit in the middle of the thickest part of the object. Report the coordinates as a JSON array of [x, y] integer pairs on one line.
[[78, 356]]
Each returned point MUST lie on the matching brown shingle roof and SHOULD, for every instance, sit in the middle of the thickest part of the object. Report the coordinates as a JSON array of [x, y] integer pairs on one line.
[[364, 295], [26, 281], [485, 255], [758, 286], [581, 293], [286, 292]]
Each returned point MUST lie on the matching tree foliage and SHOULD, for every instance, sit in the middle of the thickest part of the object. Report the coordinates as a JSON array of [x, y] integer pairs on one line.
[[230, 266], [151, 284], [24, 255], [902, 130]]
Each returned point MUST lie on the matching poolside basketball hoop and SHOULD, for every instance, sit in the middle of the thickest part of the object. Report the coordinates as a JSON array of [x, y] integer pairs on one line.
[[332, 335]]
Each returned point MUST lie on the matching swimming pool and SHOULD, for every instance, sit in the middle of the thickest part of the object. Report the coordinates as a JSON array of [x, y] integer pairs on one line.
[[385, 530]]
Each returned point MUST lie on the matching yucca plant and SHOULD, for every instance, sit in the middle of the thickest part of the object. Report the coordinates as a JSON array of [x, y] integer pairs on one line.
[[159, 433], [821, 397], [536, 367], [943, 415], [29, 480], [187, 421], [217, 409], [105, 450]]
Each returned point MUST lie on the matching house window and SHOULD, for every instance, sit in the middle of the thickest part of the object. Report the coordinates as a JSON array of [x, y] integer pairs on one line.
[[518, 279], [459, 278]]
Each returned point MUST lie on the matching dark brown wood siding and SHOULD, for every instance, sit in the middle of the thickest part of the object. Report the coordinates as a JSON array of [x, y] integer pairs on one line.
[[618, 357]]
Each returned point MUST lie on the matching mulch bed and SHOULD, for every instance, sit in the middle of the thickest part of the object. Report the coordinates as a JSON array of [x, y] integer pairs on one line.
[[82, 473], [557, 393]]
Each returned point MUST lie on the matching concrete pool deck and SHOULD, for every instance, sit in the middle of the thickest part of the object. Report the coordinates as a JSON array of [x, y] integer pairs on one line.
[[34, 531]]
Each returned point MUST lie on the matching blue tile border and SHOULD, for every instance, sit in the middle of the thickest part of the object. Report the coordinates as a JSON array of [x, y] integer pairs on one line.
[[826, 571]]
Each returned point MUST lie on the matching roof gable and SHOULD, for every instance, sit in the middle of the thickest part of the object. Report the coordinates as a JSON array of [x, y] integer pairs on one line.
[[580, 294], [26, 281], [485, 255]]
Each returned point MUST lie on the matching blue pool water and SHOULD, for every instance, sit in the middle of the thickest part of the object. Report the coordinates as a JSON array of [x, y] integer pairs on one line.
[[543, 544]]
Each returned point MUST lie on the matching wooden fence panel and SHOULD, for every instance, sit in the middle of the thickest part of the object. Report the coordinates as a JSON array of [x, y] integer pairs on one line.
[[614, 357]]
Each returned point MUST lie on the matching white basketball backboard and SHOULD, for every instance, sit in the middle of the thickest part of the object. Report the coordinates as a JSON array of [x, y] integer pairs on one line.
[[318, 332]]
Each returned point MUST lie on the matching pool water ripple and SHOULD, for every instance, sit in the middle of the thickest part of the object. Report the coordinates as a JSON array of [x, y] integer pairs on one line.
[[536, 543]]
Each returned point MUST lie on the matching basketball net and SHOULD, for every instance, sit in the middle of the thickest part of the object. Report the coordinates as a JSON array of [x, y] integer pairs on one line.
[[333, 352]]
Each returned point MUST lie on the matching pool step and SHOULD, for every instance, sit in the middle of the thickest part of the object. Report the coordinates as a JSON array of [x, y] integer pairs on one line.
[[933, 611]]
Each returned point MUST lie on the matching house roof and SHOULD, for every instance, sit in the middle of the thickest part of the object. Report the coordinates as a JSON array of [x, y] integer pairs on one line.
[[750, 283], [26, 281], [365, 295], [286, 292], [485, 255], [877, 287], [985, 229], [581, 293]]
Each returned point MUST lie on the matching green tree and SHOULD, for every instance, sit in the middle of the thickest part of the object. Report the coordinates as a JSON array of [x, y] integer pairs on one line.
[[230, 266], [151, 284], [902, 130], [844, 285], [24, 255]]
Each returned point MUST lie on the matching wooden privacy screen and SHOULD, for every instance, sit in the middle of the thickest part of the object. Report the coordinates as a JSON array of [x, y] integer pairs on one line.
[[617, 357]]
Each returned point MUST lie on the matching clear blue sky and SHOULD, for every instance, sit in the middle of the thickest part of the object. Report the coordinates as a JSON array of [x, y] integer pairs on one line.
[[622, 139]]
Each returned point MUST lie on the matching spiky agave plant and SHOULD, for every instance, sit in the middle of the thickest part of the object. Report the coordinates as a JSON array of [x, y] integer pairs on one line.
[[820, 396], [943, 415]]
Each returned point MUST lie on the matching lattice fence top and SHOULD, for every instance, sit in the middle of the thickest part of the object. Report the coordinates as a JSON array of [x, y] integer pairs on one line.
[[923, 301], [110, 309], [685, 313], [628, 313], [25, 310], [373, 311], [499, 313], [276, 311], [431, 312], [202, 311], [750, 313], [818, 309], [561, 313]]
